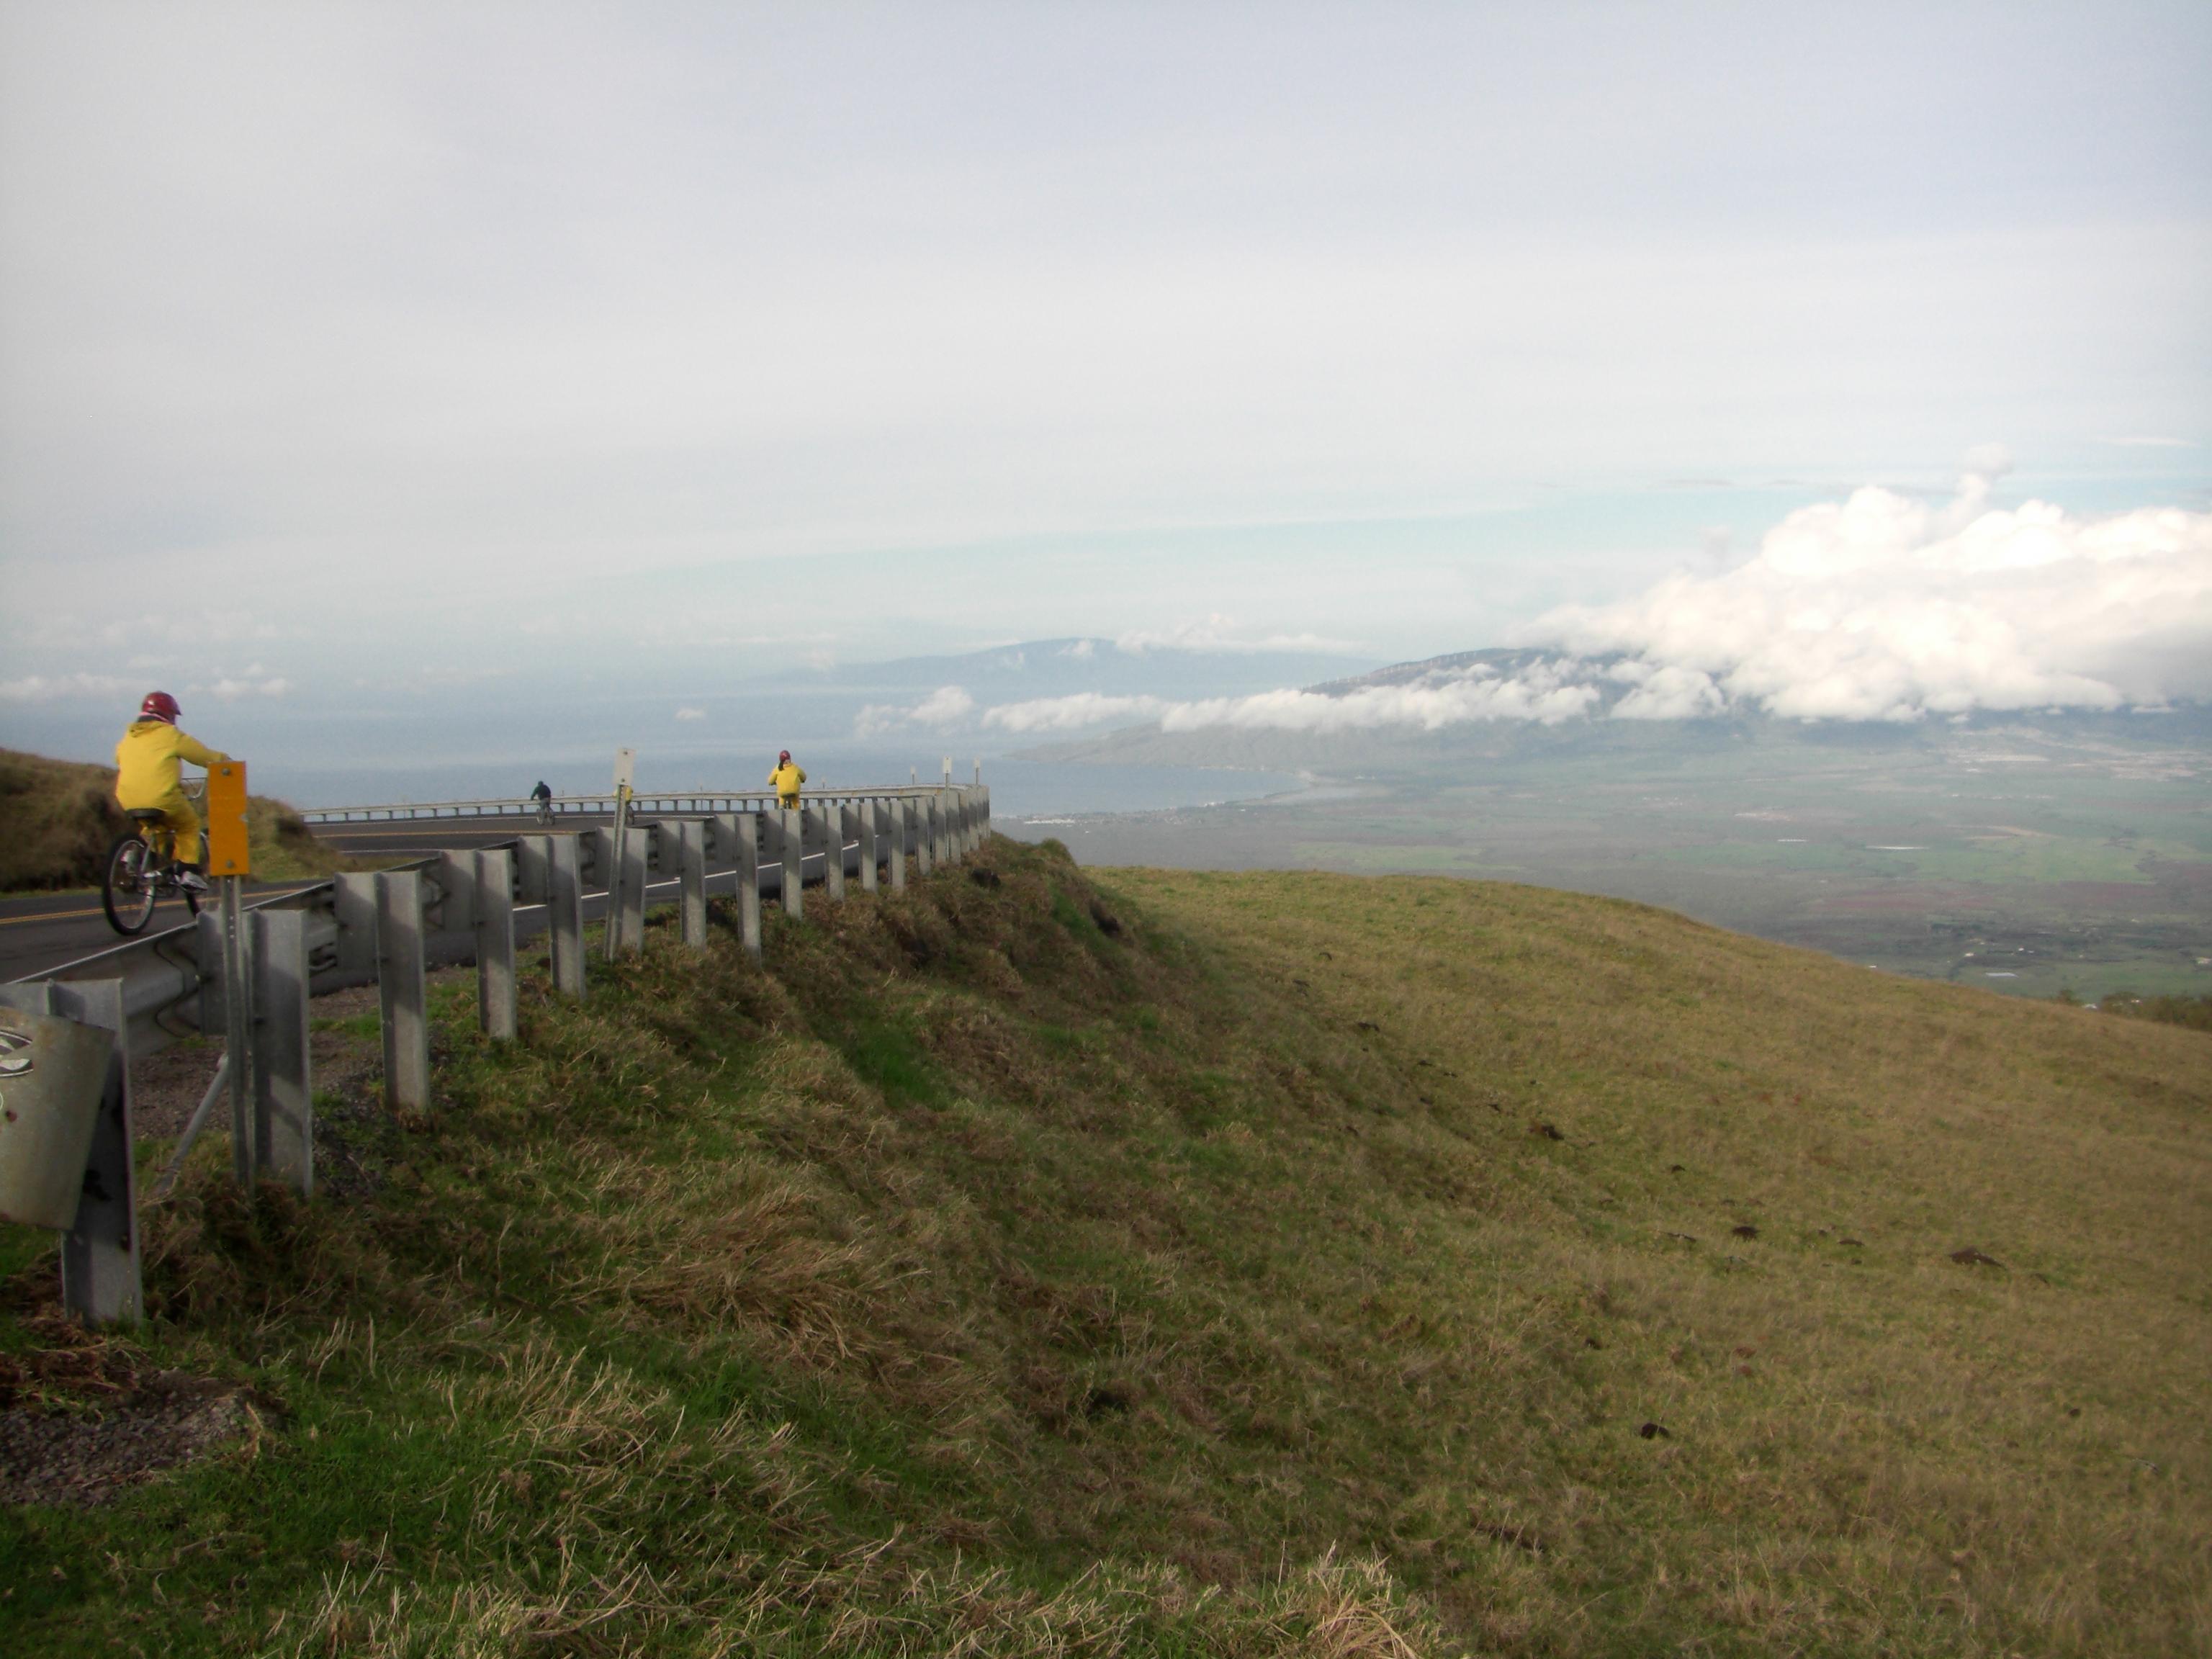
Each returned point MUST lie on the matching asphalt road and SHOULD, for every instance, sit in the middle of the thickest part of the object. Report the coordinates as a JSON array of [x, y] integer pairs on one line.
[[38, 930]]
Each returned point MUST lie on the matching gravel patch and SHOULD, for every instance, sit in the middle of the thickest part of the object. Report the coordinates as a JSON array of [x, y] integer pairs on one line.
[[60, 1456]]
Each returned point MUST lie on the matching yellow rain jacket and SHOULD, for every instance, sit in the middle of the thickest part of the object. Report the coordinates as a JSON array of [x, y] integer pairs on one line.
[[146, 776], [787, 778]]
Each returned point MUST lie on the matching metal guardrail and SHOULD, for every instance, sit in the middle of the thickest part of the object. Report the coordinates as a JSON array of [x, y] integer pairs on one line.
[[667, 804], [388, 927]]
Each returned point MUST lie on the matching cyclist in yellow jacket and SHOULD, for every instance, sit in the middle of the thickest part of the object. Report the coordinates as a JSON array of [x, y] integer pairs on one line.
[[787, 778], [147, 779]]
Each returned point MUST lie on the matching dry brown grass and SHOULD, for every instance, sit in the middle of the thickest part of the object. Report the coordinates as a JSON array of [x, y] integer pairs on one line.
[[854, 1605], [1865, 1439], [58, 819]]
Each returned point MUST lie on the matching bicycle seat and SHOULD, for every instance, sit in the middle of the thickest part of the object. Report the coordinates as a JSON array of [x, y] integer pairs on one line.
[[146, 814]]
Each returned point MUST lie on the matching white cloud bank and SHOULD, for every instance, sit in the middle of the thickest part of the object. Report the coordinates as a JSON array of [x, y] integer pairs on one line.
[[1221, 633], [54, 688], [1073, 714], [1877, 608], [1880, 607], [947, 706], [1546, 693]]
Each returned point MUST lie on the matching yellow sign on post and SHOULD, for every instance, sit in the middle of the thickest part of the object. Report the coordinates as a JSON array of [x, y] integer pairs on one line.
[[228, 854]]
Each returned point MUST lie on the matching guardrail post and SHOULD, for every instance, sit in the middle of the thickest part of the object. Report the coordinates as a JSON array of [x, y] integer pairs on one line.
[[601, 861], [100, 1252], [402, 992], [214, 955], [940, 828], [830, 823], [603, 865], [892, 814], [620, 866], [532, 877], [691, 852], [738, 836], [983, 792], [636, 858], [791, 824], [100, 1255], [495, 931], [449, 906], [283, 1091], [863, 816], [564, 914]]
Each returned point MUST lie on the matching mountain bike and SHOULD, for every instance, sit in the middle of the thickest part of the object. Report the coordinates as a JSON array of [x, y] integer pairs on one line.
[[139, 874]]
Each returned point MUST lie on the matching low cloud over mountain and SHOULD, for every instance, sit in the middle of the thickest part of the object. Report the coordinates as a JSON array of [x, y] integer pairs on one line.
[[1883, 608], [1877, 608]]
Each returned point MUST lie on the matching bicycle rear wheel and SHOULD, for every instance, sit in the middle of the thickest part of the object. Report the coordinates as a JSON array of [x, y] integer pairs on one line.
[[127, 890]]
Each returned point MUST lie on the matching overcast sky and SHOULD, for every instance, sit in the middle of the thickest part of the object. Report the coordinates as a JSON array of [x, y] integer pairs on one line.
[[384, 337]]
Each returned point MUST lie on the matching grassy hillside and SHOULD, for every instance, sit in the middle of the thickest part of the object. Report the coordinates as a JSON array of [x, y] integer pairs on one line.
[[58, 819], [1172, 1264]]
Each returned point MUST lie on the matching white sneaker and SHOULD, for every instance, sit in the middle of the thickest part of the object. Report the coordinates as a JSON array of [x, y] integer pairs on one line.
[[191, 880]]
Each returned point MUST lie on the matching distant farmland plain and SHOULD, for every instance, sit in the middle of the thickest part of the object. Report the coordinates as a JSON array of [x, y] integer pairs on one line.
[[2029, 855]]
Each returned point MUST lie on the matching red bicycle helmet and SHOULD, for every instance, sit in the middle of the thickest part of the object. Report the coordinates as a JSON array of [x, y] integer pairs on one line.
[[780, 759], [158, 706]]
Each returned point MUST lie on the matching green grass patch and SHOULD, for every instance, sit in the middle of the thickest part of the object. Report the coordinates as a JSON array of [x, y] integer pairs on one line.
[[890, 1058], [370, 1024]]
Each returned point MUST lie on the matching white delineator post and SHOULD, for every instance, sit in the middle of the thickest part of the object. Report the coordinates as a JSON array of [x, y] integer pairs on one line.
[[616, 845]]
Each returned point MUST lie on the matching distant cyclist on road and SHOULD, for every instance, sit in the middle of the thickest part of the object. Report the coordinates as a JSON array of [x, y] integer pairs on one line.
[[542, 799], [787, 778], [147, 779]]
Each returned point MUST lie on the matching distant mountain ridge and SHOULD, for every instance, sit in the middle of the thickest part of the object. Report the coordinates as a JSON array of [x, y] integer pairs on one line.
[[1504, 661], [1610, 680], [1067, 666]]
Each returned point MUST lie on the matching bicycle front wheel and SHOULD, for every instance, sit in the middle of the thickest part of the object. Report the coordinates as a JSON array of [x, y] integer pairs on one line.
[[127, 889]]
